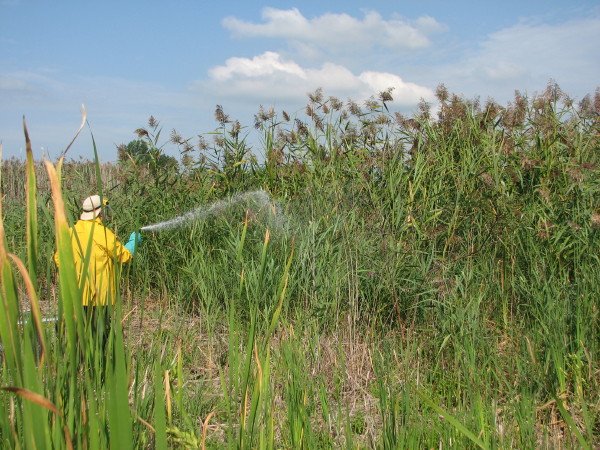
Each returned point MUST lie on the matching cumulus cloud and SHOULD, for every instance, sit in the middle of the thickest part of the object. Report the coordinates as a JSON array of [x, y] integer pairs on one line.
[[265, 64], [404, 93], [323, 51], [333, 32], [270, 77]]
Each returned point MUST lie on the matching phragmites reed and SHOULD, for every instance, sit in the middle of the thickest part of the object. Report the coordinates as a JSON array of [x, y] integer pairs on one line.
[[386, 96], [467, 239], [183, 144], [442, 93], [141, 132], [353, 108], [309, 111], [371, 104], [335, 103], [152, 122], [301, 128], [220, 116], [516, 112], [316, 97], [264, 115], [235, 129]]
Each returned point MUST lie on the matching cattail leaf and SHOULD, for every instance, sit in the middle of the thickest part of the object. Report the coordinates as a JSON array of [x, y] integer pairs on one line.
[[281, 294], [205, 428], [10, 299], [160, 419], [32, 397], [70, 298], [83, 121], [32, 222], [42, 401], [35, 307]]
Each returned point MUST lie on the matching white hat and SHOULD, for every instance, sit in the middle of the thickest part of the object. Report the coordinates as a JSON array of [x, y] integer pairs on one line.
[[92, 206]]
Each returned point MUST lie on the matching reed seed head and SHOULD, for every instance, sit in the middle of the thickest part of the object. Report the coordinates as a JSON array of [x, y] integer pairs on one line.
[[586, 106], [175, 137], [316, 96], [141, 133], [220, 116], [441, 93], [354, 108], [235, 129], [386, 96], [153, 123], [202, 144], [371, 103], [335, 103]]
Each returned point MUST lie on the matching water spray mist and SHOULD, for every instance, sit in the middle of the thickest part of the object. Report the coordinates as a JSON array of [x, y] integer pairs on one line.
[[259, 198]]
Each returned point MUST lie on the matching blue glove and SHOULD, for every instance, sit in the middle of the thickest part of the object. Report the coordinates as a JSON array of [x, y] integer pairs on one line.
[[134, 239]]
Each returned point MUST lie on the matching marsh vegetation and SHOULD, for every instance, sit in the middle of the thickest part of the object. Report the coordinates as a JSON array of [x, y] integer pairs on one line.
[[428, 282]]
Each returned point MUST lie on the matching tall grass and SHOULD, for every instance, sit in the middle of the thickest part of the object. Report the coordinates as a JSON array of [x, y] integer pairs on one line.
[[433, 283]]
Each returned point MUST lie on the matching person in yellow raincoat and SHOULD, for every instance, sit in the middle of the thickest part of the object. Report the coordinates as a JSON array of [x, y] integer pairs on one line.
[[90, 236]]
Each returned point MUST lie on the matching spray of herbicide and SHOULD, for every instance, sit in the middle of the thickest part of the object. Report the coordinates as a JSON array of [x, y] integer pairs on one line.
[[260, 200]]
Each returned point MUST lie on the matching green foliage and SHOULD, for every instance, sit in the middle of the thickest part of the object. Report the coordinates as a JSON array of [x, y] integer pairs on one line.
[[146, 159], [456, 254]]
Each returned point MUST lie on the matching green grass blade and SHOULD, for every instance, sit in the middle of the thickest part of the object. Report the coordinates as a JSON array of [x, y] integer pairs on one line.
[[160, 418], [32, 220], [572, 427], [450, 418]]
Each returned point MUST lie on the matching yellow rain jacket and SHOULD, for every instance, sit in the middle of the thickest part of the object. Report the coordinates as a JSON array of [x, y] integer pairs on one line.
[[106, 250]]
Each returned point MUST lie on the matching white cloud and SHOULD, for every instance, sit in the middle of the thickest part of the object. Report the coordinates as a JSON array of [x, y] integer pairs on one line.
[[332, 32], [526, 56], [269, 77], [11, 83], [23, 88], [265, 64], [500, 71], [404, 93]]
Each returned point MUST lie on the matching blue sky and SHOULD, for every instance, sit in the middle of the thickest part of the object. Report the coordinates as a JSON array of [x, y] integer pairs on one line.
[[176, 60]]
